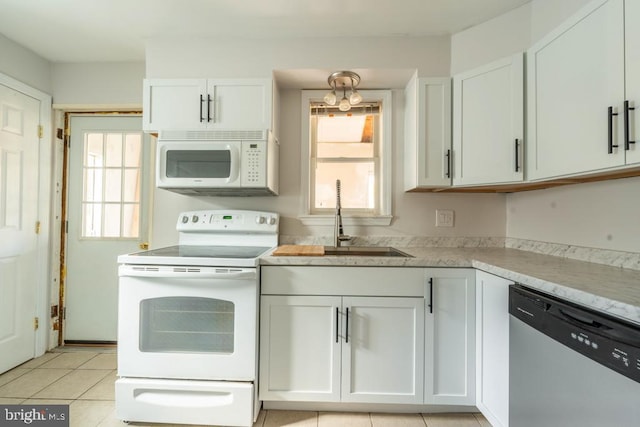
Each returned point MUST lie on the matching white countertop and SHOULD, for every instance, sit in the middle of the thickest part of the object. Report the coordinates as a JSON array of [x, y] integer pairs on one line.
[[613, 290]]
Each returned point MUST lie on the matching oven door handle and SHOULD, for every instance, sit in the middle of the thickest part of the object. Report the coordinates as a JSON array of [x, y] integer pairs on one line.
[[190, 274]]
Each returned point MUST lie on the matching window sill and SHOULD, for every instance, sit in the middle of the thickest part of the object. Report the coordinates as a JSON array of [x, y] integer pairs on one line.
[[346, 220]]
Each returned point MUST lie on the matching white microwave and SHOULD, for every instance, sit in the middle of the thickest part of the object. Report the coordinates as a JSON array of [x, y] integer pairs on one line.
[[218, 163]]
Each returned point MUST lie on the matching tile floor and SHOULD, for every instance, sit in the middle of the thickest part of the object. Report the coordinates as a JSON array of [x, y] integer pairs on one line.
[[83, 378]]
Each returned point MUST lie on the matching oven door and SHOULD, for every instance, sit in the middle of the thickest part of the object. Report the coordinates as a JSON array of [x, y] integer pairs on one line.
[[194, 164], [187, 322]]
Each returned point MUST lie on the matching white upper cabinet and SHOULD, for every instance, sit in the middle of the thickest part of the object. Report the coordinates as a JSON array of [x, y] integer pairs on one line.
[[632, 74], [427, 144], [576, 92], [488, 123], [193, 104]]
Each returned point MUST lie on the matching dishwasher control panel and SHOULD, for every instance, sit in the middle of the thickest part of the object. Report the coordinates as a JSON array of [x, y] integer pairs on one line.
[[609, 341]]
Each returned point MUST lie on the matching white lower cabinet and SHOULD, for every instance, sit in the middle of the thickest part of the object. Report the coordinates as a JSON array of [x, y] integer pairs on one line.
[[368, 335], [450, 336], [492, 332], [342, 348]]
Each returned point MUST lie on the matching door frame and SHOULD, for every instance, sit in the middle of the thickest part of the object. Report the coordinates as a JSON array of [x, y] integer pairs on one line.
[[45, 160], [64, 197]]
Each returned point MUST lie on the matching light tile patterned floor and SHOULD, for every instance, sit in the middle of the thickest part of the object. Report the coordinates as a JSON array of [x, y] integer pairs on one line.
[[84, 379]]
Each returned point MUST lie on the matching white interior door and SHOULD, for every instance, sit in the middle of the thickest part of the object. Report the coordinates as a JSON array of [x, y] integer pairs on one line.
[[108, 182], [19, 120]]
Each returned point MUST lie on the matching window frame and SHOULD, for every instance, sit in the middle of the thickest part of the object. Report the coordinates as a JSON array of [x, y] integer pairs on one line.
[[384, 215], [102, 169]]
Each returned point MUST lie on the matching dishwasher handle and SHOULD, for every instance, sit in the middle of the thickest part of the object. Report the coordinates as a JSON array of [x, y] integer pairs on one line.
[[612, 330]]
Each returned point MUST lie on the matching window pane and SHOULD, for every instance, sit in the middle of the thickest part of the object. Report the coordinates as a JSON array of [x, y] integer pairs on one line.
[[131, 185], [111, 220], [131, 220], [92, 185], [133, 149], [91, 219], [357, 182], [114, 149], [341, 128], [93, 149], [345, 149], [113, 185]]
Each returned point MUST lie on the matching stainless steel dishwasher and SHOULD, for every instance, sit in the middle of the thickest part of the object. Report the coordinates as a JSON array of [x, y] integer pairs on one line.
[[570, 365]]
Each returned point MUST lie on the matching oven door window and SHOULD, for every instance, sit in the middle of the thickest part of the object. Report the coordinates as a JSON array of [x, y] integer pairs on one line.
[[198, 164], [186, 324]]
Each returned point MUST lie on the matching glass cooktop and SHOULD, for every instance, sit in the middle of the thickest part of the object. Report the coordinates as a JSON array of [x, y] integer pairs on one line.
[[196, 251]]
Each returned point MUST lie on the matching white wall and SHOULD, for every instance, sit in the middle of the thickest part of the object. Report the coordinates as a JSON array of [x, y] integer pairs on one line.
[[547, 15], [99, 84], [599, 215], [414, 213], [499, 37], [24, 65], [236, 57]]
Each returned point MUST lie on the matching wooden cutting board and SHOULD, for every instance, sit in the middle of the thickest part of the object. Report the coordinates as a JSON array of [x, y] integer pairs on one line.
[[299, 250]]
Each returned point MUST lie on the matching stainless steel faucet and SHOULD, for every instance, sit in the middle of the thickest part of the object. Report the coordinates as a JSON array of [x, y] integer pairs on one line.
[[338, 232]]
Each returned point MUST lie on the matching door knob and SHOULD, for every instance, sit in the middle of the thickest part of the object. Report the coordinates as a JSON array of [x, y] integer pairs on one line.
[[144, 245]]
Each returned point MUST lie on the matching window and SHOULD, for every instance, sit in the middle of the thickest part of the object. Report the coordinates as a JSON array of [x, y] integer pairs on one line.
[[352, 146], [111, 187]]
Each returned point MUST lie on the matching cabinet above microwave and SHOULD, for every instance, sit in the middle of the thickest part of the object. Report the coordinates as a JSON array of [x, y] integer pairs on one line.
[[207, 104]]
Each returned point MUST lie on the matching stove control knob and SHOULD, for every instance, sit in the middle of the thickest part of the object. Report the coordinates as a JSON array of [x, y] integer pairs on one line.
[[194, 218], [185, 219], [272, 220], [260, 220]]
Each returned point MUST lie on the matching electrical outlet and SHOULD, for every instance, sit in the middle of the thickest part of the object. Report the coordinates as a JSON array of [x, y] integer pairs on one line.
[[444, 218]]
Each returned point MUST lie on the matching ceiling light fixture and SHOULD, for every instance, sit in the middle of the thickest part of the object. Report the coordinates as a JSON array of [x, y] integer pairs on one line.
[[346, 79]]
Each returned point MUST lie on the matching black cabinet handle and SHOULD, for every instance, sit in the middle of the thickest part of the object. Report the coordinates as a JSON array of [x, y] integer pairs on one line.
[[448, 156], [610, 129], [346, 329], [201, 102], [627, 142], [208, 108], [431, 295], [517, 156], [337, 328]]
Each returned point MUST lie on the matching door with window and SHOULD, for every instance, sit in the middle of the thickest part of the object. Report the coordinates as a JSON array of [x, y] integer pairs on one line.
[[107, 210]]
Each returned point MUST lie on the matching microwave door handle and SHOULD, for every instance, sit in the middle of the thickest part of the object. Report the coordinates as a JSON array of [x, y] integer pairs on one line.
[[188, 275]]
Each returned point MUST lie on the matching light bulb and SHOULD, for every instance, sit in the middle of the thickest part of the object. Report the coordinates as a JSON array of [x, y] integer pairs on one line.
[[331, 98], [344, 104], [355, 98]]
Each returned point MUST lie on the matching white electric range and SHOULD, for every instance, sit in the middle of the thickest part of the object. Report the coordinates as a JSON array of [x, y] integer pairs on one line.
[[187, 322]]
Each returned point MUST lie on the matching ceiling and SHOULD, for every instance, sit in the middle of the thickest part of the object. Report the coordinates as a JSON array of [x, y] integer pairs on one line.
[[116, 30]]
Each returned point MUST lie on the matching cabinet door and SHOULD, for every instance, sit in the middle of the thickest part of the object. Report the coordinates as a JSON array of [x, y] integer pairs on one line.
[[488, 123], [427, 145], [299, 348], [170, 104], [492, 347], [574, 74], [450, 337], [632, 74], [382, 355], [241, 104]]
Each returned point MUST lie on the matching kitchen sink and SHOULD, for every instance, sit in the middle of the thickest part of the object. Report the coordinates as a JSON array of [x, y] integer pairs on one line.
[[365, 251]]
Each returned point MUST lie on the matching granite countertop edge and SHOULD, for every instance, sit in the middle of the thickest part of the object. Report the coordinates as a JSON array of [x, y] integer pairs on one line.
[[613, 290]]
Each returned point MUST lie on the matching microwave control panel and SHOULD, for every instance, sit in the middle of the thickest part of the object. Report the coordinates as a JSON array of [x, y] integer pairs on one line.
[[254, 160]]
